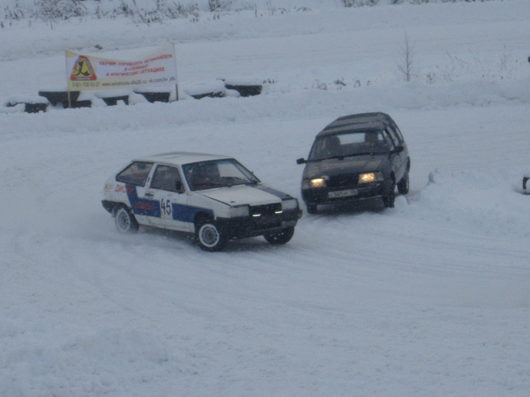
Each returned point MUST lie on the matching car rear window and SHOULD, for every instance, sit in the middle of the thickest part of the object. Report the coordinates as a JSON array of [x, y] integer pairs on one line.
[[135, 174]]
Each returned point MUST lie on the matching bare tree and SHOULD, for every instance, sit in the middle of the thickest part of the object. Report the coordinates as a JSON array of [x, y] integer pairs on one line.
[[218, 5], [406, 67]]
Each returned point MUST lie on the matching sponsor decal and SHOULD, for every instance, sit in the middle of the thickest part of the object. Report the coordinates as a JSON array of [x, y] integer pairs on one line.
[[165, 204], [83, 70], [142, 206]]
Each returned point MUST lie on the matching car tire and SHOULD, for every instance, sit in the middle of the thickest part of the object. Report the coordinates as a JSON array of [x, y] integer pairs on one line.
[[390, 197], [210, 236], [124, 220], [311, 208], [403, 184], [280, 237]]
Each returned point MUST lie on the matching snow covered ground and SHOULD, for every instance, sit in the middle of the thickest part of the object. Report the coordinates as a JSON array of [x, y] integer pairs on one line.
[[430, 298]]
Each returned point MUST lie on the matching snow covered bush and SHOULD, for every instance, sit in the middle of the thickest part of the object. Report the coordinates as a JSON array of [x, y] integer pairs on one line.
[[359, 3], [219, 5], [163, 10], [60, 9], [148, 11]]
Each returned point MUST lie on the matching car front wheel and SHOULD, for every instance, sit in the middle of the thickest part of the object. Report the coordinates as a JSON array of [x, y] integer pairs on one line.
[[210, 237], [312, 208], [403, 184], [280, 237], [125, 220]]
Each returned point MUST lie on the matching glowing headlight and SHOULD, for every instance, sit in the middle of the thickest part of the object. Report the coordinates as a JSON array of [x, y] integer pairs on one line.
[[370, 177], [240, 210], [317, 182], [289, 204]]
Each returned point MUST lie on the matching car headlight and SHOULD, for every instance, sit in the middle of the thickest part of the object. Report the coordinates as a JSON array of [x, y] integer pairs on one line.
[[317, 182], [369, 177], [239, 210], [289, 204]]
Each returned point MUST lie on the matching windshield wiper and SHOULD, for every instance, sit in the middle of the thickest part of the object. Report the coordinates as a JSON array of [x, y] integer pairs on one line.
[[238, 181], [340, 157], [359, 154]]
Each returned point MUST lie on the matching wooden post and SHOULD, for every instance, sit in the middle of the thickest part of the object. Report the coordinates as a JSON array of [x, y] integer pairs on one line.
[[67, 79]]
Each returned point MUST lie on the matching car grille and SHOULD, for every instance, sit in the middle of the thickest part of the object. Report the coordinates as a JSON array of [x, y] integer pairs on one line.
[[342, 181], [264, 210], [268, 216]]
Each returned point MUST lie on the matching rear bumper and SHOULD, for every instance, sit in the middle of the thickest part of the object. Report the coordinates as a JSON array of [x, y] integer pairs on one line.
[[108, 205], [334, 195], [248, 226]]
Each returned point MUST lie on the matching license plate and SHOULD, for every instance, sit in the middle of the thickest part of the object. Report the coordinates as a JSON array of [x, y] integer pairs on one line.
[[269, 221], [343, 193]]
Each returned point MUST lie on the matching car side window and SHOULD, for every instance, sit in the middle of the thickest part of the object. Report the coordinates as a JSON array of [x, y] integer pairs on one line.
[[391, 139], [399, 134], [397, 138], [166, 178], [135, 174]]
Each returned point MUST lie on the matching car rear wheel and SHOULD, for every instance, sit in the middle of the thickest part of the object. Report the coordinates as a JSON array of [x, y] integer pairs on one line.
[[280, 237], [209, 236], [125, 220], [403, 184]]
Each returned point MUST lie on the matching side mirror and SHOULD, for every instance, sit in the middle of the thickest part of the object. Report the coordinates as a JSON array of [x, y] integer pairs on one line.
[[399, 149], [301, 161]]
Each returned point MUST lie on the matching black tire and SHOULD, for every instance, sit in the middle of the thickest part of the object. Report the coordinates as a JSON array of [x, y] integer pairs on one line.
[[209, 236], [124, 220], [280, 237], [390, 197], [403, 184], [311, 208]]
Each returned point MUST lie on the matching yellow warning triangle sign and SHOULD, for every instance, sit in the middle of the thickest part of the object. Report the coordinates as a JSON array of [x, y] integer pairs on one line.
[[83, 70]]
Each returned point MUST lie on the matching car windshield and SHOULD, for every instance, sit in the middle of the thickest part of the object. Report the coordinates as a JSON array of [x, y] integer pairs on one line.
[[217, 173], [348, 144]]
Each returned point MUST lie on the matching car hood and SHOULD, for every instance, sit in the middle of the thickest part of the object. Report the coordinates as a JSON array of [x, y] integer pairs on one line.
[[357, 164], [245, 194]]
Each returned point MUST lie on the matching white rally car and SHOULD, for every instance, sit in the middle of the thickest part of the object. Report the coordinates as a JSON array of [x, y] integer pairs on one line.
[[214, 197]]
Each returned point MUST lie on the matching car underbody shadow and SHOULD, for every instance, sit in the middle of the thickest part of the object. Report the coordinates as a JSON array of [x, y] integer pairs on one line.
[[353, 207], [247, 244]]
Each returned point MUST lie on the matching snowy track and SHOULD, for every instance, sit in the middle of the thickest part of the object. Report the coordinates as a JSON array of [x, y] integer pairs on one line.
[[429, 298]]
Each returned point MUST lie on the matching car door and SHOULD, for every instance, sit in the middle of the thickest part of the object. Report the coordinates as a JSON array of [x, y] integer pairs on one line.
[[405, 152], [396, 156], [166, 188]]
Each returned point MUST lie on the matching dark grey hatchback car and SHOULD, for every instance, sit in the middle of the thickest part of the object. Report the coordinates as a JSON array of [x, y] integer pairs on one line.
[[360, 156]]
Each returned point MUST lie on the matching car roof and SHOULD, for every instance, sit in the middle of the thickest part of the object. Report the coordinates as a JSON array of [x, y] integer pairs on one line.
[[177, 158], [358, 122]]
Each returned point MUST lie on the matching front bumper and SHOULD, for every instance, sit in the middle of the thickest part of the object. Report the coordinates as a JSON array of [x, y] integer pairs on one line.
[[249, 226], [343, 194]]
